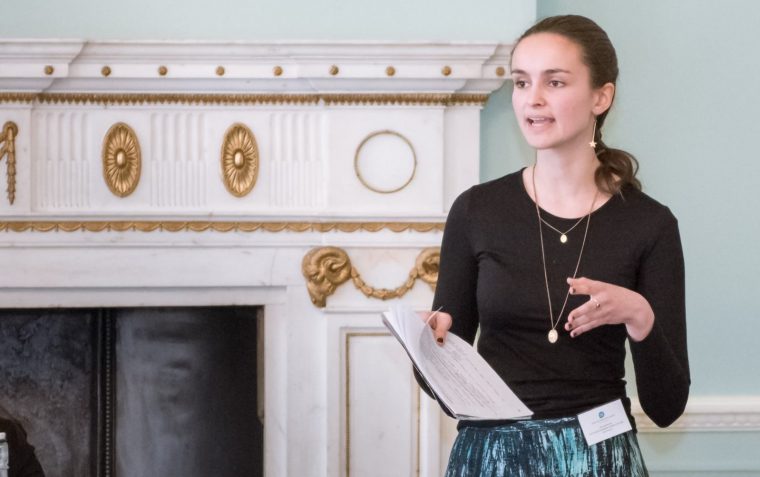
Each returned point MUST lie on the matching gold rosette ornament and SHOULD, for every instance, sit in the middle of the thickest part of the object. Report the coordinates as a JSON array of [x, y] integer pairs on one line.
[[121, 160], [240, 160]]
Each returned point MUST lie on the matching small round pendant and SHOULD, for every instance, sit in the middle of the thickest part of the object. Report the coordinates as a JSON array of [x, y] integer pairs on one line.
[[563, 238], [553, 336]]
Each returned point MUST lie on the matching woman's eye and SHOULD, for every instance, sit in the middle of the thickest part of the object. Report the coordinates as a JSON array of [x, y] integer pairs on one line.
[[519, 84], [556, 83]]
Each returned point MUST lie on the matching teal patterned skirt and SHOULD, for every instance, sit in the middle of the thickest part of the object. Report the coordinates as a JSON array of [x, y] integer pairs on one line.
[[542, 448]]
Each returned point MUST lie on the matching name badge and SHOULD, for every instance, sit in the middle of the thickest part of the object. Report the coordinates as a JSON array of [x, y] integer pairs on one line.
[[604, 422]]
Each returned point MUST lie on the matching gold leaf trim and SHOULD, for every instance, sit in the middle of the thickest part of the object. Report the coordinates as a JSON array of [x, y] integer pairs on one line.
[[121, 160], [215, 226], [326, 268], [240, 160], [18, 97], [131, 99], [8, 147], [175, 98]]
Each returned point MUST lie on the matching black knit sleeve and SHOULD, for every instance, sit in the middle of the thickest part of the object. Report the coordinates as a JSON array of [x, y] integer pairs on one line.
[[457, 275], [661, 359], [455, 292]]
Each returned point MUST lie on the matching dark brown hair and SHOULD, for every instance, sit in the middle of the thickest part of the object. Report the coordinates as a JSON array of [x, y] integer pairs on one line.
[[618, 168]]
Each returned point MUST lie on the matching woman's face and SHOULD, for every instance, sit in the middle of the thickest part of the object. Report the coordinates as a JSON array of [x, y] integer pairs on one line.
[[553, 99]]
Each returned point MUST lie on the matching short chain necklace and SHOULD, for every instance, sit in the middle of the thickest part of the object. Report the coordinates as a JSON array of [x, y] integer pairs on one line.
[[553, 335], [562, 235]]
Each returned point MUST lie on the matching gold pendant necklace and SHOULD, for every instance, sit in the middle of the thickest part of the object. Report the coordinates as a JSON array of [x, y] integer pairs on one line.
[[562, 235], [553, 334]]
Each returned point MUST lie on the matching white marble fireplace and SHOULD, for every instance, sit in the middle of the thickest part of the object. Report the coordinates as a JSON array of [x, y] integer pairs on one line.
[[312, 179]]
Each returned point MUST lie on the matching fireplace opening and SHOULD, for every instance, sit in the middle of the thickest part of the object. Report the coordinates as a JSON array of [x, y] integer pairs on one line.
[[135, 391]]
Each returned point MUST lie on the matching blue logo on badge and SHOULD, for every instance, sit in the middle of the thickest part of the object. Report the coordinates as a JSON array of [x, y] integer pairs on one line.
[[601, 414]]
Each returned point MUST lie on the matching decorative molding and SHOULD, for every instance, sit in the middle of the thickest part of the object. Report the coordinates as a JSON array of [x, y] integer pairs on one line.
[[240, 160], [326, 268], [6, 97], [213, 226], [135, 99], [290, 66], [8, 147], [708, 414], [121, 159], [347, 411], [400, 99], [222, 99]]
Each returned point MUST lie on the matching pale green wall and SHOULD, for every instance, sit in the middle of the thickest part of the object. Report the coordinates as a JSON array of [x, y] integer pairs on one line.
[[265, 20]]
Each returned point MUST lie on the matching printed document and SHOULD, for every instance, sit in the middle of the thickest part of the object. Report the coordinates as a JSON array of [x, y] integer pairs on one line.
[[461, 380]]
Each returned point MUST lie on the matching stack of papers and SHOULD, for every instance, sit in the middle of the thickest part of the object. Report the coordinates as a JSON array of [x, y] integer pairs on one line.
[[462, 381]]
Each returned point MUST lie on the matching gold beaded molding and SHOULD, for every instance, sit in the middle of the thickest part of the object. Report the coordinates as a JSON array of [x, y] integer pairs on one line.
[[326, 268], [131, 99], [214, 226], [8, 147]]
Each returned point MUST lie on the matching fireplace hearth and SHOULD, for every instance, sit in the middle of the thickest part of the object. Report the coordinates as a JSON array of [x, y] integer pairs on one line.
[[128, 392]]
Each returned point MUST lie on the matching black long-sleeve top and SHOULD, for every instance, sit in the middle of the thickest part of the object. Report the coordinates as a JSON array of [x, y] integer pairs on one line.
[[491, 277]]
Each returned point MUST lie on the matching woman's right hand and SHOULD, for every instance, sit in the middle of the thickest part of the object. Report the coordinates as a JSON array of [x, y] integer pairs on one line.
[[439, 321]]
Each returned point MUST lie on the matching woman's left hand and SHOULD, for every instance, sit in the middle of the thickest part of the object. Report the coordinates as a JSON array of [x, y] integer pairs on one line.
[[609, 304]]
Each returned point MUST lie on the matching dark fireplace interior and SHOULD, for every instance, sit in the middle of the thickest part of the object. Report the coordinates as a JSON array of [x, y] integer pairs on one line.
[[135, 392]]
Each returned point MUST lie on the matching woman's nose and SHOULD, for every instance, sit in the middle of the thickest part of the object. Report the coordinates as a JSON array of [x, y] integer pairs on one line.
[[536, 96]]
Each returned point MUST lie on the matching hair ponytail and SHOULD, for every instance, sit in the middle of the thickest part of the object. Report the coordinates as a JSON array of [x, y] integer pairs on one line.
[[618, 168]]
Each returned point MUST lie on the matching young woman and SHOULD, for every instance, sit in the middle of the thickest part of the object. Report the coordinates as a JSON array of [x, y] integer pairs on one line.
[[558, 265]]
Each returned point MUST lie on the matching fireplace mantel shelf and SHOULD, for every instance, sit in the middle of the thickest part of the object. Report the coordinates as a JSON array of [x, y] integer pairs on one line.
[[36, 66]]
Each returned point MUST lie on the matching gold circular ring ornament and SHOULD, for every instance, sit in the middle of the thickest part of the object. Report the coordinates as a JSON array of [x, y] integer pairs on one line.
[[105, 71], [277, 71], [240, 160], [162, 70], [500, 71], [446, 70], [390, 71], [49, 70], [220, 70], [386, 134], [121, 160]]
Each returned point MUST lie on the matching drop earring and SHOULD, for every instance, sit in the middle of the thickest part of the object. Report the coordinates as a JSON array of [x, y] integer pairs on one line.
[[593, 135]]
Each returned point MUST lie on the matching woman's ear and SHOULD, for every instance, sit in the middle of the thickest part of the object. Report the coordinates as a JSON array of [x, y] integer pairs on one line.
[[603, 99]]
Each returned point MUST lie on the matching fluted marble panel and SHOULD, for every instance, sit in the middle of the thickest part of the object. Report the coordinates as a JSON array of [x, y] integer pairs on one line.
[[298, 159], [62, 169], [176, 163]]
